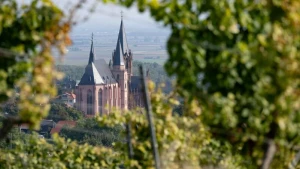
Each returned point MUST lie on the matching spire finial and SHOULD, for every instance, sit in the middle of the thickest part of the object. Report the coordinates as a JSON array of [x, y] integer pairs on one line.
[[121, 15], [92, 54]]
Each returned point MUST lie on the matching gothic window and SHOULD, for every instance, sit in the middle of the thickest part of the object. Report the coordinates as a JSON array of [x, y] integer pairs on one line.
[[114, 97], [80, 99], [106, 95], [89, 102], [100, 101], [80, 95], [109, 95]]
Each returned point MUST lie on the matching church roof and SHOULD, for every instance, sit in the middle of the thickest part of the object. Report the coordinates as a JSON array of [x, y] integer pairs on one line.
[[92, 52], [136, 83], [91, 76], [97, 71], [105, 71], [118, 56], [122, 38], [122, 46]]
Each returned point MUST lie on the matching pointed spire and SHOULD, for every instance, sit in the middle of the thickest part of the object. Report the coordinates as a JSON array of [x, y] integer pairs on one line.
[[118, 58], [92, 52], [122, 37]]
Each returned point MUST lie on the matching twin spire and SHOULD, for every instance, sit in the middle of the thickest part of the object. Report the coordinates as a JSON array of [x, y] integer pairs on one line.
[[121, 48], [91, 75], [118, 57], [92, 52], [122, 38]]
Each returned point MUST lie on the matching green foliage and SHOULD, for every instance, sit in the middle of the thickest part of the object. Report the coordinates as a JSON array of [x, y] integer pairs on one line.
[[26, 61], [183, 142], [10, 107], [89, 131], [239, 60], [60, 111], [236, 64], [14, 136], [72, 72], [157, 74], [37, 154]]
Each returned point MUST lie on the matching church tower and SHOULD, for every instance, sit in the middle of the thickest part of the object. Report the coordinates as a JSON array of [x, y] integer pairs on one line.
[[121, 66], [87, 86]]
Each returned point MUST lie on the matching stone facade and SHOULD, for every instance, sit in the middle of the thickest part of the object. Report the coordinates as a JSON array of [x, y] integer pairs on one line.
[[105, 86]]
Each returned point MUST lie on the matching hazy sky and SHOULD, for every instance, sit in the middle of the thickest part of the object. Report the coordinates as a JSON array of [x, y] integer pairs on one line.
[[107, 17]]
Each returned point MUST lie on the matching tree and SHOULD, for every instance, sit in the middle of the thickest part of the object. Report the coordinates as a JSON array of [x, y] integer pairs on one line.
[[235, 61], [71, 71], [183, 141], [14, 136], [60, 111], [89, 131], [26, 60], [156, 73], [38, 153], [10, 108], [239, 60]]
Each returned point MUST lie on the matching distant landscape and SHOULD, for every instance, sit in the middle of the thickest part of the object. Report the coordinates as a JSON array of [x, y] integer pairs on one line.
[[145, 46]]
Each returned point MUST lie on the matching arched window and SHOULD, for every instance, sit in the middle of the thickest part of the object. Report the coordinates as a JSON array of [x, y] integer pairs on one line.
[[115, 96], [106, 96], [89, 102], [109, 96], [100, 101], [80, 99]]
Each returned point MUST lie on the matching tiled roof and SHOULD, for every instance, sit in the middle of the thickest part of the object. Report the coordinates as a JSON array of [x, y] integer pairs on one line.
[[136, 83], [105, 71], [43, 123], [91, 76], [73, 95], [122, 47], [24, 126], [118, 57], [122, 38], [61, 124]]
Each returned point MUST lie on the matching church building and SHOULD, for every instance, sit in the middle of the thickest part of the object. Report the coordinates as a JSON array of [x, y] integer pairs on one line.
[[105, 86]]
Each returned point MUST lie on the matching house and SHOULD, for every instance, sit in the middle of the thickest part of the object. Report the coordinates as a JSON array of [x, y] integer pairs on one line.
[[61, 124], [45, 128], [67, 98]]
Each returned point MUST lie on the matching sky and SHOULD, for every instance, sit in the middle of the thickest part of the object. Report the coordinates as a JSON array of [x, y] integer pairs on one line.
[[106, 17]]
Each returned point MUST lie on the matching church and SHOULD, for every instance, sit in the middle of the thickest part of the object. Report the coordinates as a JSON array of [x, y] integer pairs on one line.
[[105, 86]]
